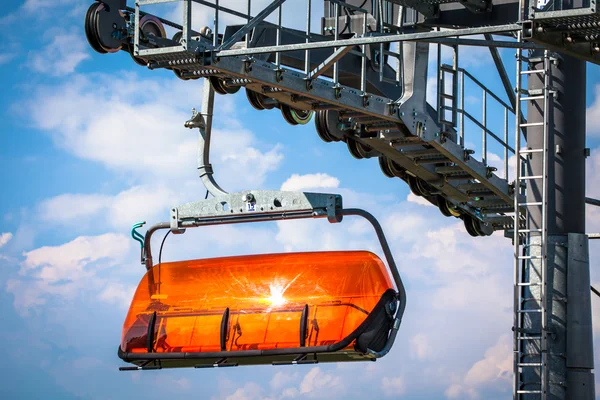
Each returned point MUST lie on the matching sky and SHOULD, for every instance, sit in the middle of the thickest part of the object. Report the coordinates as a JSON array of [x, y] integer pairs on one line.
[[91, 144]]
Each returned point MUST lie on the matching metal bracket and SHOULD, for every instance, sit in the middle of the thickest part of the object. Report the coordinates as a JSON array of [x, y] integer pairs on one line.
[[257, 205]]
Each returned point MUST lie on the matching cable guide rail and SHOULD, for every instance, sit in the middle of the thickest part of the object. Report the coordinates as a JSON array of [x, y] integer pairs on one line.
[[291, 308], [375, 109]]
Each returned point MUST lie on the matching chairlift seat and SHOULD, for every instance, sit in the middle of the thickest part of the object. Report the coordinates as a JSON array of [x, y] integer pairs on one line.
[[260, 309]]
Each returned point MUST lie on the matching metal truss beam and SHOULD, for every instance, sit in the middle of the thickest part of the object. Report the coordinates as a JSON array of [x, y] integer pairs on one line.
[[422, 36], [251, 24], [329, 62]]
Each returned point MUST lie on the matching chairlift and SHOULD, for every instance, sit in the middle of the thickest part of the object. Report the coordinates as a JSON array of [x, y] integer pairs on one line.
[[289, 308]]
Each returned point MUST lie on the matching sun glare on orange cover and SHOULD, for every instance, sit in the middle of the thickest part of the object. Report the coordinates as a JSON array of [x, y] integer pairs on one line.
[[265, 294]]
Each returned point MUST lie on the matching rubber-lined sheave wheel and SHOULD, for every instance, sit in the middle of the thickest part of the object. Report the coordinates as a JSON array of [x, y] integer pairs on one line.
[[219, 85], [321, 127], [385, 168], [149, 26], [468, 220], [91, 32], [294, 116], [358, 149], [259, 100], [443, 206], [418, 186], [396, 169]]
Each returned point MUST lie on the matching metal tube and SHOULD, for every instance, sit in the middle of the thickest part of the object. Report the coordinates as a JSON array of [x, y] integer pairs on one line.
[[484, 134], [461, 131], [506, 143], [216, 25], [187, 23], [381, 55], [386, 252], [204, 166], [336, 78], [278, 39], [516, 235], [248, 21], [307, 52], [440, 84], [363, 61]]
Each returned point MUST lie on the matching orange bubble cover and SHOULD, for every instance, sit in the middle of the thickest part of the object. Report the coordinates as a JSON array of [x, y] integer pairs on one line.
[[265, 295]]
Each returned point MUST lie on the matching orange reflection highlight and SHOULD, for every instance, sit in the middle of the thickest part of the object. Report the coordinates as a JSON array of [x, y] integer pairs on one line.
[[265, 295]]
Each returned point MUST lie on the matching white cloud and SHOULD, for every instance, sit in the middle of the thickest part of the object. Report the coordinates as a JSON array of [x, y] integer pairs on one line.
[[310, 181], [118, 294], [421, 347], [66, 269], [393, 387], [413, 198], [593, 114], [494, 370], [69, 261], [281, 379], [250, 391], [61, 56], [70, 207], [317, 384], [38, 5], [135, 126], [5, 238]]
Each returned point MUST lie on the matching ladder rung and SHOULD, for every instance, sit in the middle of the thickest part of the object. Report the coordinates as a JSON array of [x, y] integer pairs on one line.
[[528, 284], [529, 338], [534, 203], [530, 364], [533, 71], [530, 177], [531, 124], [529, 391], [446, 96], [529, 230], [530, 311], [528, 151], [532, 98], [529, 257]]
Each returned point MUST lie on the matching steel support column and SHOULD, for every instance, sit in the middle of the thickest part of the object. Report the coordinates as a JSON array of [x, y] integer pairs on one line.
[[569, 341]]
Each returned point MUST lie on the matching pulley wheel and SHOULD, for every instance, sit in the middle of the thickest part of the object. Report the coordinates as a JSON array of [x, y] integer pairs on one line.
[[105, 26], [332, 120], [424, 188], [365, 150], [321, 127], [353, 149], [220, 87], [418, 186], [468, 220], [253, 99], [396, 169], [443, 206], [294, 116], [385, 168], [259, 100], [91, 32], [149, 26]]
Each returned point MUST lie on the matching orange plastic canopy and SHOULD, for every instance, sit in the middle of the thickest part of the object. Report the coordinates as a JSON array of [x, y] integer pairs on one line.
[[266, 296]]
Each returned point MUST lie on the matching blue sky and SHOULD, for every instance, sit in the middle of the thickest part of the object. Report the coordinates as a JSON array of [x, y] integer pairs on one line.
[[91, 144]]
